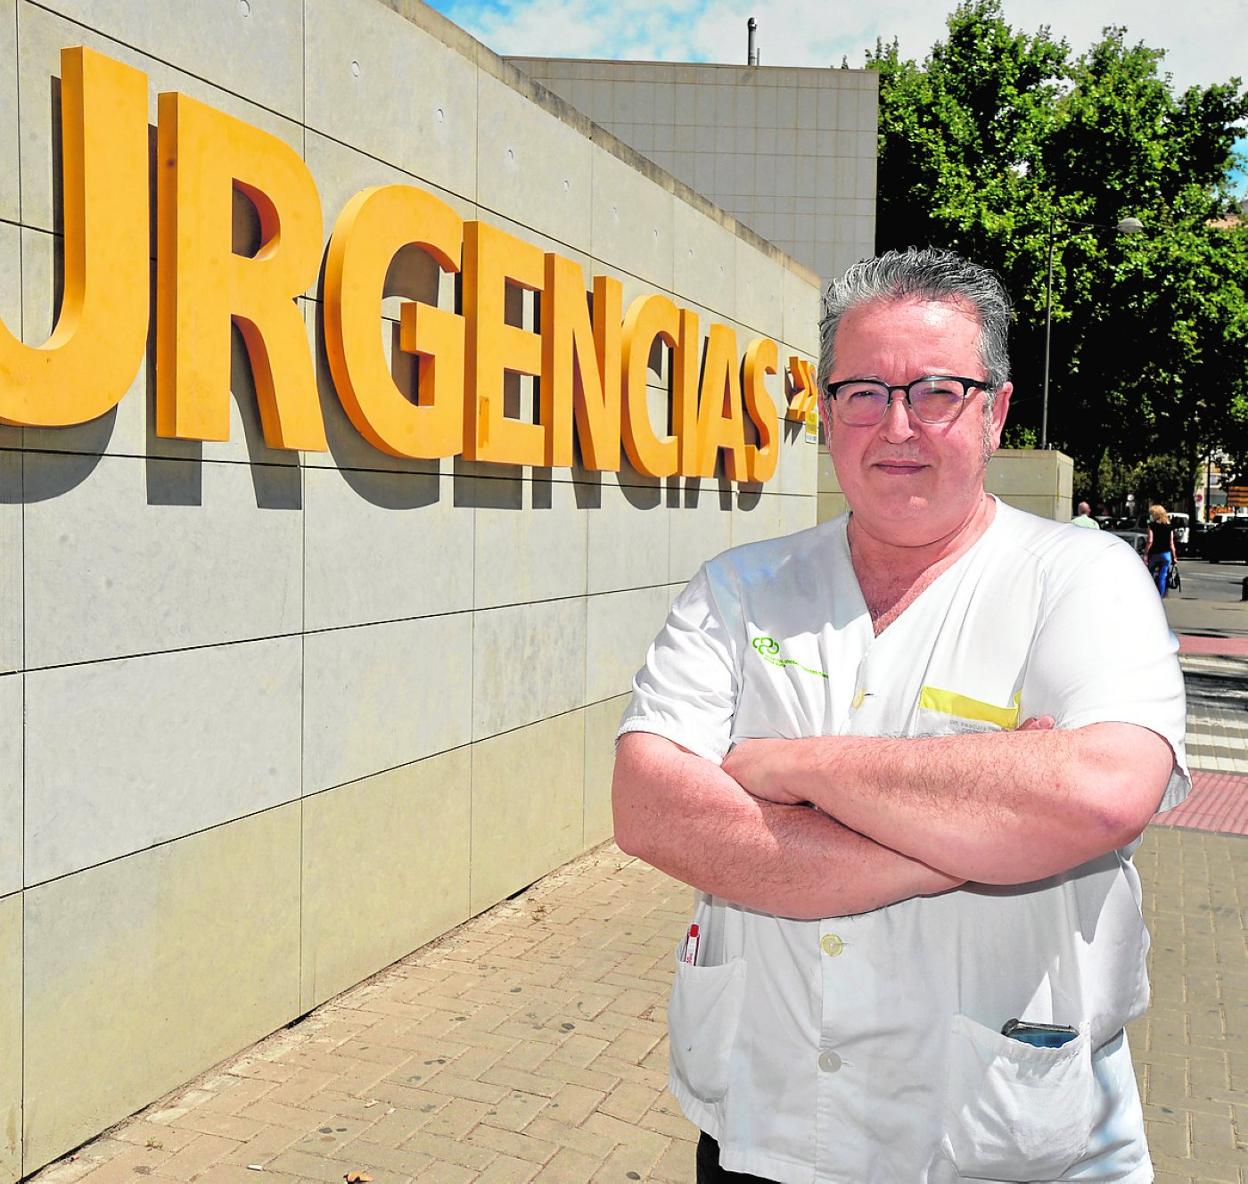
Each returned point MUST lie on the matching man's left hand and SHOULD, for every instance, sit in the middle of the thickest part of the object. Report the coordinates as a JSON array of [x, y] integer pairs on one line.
[[758, 767]]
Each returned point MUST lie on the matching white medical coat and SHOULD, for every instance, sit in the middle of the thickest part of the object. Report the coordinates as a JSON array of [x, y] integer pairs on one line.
[[866, 1049]]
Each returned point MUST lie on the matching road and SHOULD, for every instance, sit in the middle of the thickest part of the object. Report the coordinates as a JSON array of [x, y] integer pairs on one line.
[[1209, 603]]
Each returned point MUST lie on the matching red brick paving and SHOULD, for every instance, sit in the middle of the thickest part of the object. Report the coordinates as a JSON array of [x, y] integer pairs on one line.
[[1218, 802], [1230, 647]]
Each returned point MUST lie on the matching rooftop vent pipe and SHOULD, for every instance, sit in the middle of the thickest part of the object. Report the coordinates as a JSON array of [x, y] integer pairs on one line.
[[751, 49]]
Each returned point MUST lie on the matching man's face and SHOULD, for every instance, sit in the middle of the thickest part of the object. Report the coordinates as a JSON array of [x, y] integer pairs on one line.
[[910, 483]]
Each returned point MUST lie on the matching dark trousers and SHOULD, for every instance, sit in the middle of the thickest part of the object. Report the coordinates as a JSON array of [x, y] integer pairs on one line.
[[709, 1171]]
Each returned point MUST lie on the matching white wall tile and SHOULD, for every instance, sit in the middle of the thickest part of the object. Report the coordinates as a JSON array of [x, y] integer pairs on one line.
[[532, 167], [11, 1038], [530, 539], [700, 529], [145, 972], [376, 81], [43, 34], [628, 537], [383, 546], [755, 516], [704, 260], [11, 605], [126, 754], [252, 50], [620, 628], [632, 221], [10, 196], [150, 555], [528, 664], [759, 281], [379, 696], [10, 783]]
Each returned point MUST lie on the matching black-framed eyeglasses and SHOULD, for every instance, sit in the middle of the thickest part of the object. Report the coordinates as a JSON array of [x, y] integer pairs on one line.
[[935, 398]]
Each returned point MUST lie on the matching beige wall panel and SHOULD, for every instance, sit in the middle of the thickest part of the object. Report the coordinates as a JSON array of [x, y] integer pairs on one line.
[[755, 516], [800, 314], [342, 171], [252, 49], [527, 805], [1030, 471], [530, 539], [379, 696], [146, 971], [385, 869], [132, 547], [10, 195], [528, 664], [130, 428], [381, 546], [632, 221], [602, 721], [700, 529], [531, 166], [43, 35], [11, 1038], [11, 608], [628, 537], [378, 82], [122, 755], [829, 506], [797, 513], [705, 260], [799, 458], [10, 274], [760, 279], [620, 627], [10, 784]]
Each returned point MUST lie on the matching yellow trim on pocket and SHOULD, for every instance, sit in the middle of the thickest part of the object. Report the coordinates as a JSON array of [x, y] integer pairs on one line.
[[963, 706]]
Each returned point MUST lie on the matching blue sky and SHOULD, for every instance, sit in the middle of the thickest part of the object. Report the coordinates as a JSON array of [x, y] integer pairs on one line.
[[1206, 42]]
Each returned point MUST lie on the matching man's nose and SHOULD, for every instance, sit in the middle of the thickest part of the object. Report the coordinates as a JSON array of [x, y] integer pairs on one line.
[[897, 424]]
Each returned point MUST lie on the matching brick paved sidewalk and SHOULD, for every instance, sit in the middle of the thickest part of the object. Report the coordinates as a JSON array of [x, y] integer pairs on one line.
[[530, 1045]]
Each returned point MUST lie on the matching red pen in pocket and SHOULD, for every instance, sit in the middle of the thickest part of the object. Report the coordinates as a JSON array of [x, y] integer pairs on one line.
[[690, 956]]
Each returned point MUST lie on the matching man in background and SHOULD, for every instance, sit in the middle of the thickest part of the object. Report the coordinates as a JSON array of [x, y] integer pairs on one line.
[[1084, 518]]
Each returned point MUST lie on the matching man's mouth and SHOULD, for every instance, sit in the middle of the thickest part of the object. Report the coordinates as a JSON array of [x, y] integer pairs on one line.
[[899, 468]]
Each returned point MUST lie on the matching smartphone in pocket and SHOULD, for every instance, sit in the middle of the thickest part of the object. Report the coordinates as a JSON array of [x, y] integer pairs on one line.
[[1039, 1035]]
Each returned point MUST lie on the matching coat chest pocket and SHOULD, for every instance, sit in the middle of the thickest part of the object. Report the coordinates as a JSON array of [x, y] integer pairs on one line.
[[1012, 1111], [945, 713], [702, 1018]]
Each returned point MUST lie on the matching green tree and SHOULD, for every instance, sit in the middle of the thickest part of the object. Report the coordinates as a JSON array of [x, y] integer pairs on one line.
[[996, 133]]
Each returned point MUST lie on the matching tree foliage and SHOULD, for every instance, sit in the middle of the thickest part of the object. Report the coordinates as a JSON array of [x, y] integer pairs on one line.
[[999, 138]]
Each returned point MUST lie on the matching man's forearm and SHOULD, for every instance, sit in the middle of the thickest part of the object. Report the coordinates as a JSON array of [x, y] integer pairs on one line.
[[1006, 807], [685, 816]]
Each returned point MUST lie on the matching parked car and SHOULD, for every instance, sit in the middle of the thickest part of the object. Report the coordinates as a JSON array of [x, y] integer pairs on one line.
[[1228, 540], [1182, 529], [1136, 538]]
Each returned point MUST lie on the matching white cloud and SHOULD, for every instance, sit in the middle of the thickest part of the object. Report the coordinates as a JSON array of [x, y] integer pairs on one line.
[[1205, 43]]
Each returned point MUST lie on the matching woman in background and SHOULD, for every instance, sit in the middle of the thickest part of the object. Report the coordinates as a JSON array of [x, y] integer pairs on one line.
[[1160, 551]]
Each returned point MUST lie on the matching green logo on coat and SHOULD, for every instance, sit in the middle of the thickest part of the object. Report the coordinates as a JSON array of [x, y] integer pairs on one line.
[[769, 650]]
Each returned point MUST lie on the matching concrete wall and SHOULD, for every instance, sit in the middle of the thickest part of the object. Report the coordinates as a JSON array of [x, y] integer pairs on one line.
[[1038, 481], [789, 151], [269, 721]]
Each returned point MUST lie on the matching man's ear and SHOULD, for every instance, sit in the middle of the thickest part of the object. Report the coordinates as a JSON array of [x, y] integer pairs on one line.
[[1000, 410]]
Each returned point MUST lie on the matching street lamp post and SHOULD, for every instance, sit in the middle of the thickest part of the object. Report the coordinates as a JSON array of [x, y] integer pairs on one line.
[[1126, 225]]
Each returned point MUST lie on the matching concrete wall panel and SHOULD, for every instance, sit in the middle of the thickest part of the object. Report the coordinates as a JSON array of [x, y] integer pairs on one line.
[[529, 783], [530, 540], [148, 970], [386, 861], [755, 516], [602, 721], [632, 221], [528, 664], [700, 530], [11, 710], [132, 547], [251, 49], [123, 755], [532, 167], [10, 193], [628, 538], [11, 1037], [620, 627], [760, 279], [384, 546], [376, 81], [380, 696], [705, 260], [11, 607], [42, 36]]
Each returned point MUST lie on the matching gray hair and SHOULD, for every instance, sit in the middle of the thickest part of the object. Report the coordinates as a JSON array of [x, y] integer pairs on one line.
[[927, 273]]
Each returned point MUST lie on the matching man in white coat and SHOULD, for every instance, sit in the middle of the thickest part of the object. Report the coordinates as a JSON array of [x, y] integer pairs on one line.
[[904, 758]]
